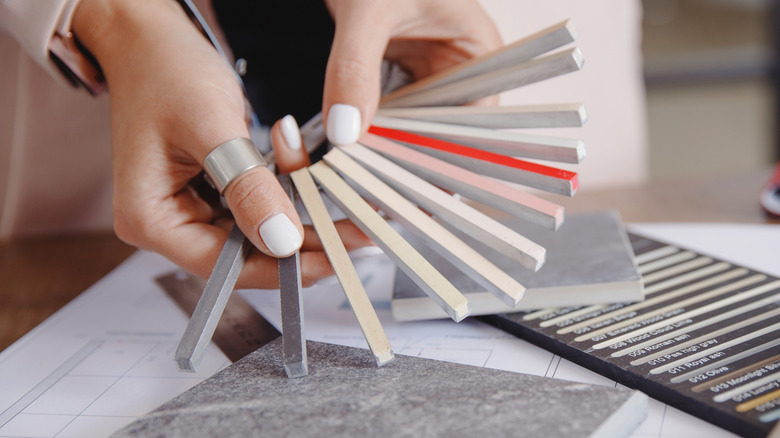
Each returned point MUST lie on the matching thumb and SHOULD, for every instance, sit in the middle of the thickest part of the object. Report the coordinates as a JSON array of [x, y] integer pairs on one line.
[[264, 213], [353, 74]]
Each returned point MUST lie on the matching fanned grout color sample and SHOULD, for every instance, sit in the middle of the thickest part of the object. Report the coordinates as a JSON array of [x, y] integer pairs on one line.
[[394, 246], [498, 166], [562, 115], [464, 217], [291, 300], [342, 266], [472, 185], [527, 48], [434, 234], [492, 82], [513, 144]]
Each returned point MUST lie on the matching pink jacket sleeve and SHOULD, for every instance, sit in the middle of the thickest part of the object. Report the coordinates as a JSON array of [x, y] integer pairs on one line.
[[32, 23]]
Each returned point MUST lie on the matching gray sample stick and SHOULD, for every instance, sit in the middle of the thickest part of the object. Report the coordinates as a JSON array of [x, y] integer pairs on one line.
[[212, 302], [493, 82], [293, 341], [521, 50]]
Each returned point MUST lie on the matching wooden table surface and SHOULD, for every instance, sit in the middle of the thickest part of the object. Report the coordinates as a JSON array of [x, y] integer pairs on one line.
[[40, 275]]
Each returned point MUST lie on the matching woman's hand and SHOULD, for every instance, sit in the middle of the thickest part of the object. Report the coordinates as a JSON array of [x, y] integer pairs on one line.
[[173, 100], [422, 36]]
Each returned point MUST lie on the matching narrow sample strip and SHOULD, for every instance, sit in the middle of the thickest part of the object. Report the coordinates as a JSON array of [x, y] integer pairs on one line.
[[721, 363], [433, 234], [509, 143], [460, 215], [474, 186], [695, 312], [398, 249], [701, 324], [740, 372], [720, 398], [618, 322], [758, 401], [342, 266], [724, 330], [575, 315], [487, 163], [666, 262], [656, 254]]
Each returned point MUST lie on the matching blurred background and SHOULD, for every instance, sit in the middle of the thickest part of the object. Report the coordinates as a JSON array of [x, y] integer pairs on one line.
[[711, 84], [675, 89]]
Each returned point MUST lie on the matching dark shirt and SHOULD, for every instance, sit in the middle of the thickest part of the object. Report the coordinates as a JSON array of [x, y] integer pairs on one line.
[[286, 44]]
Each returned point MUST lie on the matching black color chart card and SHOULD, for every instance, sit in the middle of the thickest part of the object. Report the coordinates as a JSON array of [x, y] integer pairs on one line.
[[705, 340]]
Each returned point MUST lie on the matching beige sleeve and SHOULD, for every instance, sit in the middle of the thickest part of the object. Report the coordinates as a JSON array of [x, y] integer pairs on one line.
[[32, 23]]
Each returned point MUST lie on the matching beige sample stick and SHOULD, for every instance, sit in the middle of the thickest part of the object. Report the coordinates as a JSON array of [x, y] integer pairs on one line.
[[563, 115], [474, 186], [458, 214], [493, 82], [514, 144], [395, 246], [521, 50], [449, 246], [343, 267]]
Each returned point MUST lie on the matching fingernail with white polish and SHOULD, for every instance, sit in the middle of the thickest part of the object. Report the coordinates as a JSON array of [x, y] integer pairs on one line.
[[291, 133], [343, 124], [280, 235]]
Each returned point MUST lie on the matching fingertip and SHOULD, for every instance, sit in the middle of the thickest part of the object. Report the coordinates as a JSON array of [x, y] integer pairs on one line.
[[288, 145], [290, 132], [280, 235], [344, 124]]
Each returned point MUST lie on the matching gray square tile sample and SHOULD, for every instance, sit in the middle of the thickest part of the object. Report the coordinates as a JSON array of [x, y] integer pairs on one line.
[[346, 395]]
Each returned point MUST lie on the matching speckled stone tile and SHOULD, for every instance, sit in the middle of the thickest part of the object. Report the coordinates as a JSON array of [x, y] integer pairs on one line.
[[346, 395]]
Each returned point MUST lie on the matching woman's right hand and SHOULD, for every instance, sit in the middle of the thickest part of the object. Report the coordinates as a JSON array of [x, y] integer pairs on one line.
[[173, 100]]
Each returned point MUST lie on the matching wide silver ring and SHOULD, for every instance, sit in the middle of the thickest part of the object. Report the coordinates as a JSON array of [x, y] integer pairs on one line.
[[229, 160]]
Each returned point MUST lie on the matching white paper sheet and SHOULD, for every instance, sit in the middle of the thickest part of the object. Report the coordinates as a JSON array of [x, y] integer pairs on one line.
[[106, 358]]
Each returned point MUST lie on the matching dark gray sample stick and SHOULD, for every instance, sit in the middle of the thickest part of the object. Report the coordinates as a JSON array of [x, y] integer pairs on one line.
[[293, 341]]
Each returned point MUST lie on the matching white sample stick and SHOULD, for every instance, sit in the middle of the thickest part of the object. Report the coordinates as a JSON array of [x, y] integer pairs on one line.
[[462, 216], [343, 267], [521, 50], [474, 186], [493, 82], [449, 246], [563, 115], [399, 250], [514, 144]]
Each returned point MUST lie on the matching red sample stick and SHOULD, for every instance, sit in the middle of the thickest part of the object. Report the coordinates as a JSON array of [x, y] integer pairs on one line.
[[488, 163]]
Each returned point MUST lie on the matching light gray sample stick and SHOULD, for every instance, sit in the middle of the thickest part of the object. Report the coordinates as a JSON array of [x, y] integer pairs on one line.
[[562, 115], [521, 50], [212, 302], [493, 82], [293, 340]]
